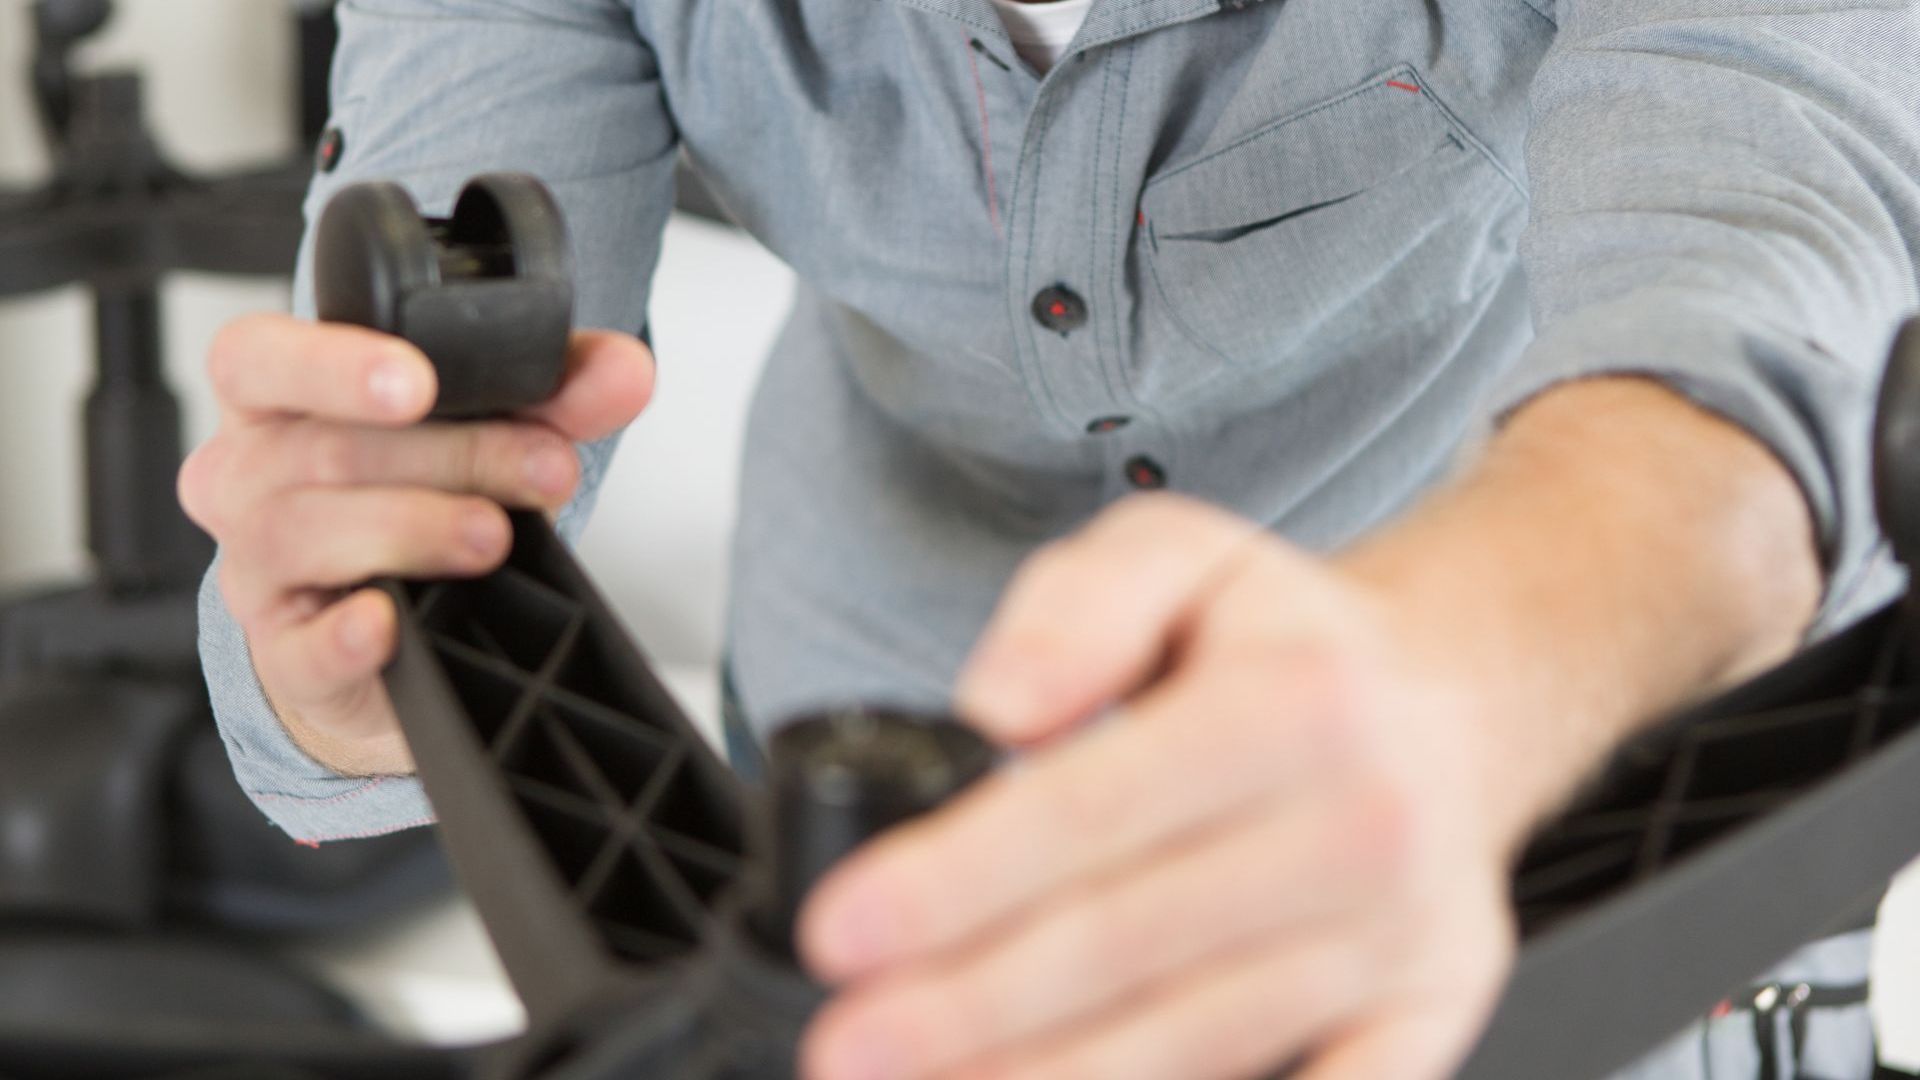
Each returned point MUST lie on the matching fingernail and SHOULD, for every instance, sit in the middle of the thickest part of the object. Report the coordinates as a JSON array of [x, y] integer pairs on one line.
[[482, 533], [393, 386], [550, 470]]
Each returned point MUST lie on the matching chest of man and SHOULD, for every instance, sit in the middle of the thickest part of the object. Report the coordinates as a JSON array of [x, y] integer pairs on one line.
[[1197, 200]]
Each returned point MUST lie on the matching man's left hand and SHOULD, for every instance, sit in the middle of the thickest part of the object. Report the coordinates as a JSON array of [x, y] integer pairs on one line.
[[1284, 841]]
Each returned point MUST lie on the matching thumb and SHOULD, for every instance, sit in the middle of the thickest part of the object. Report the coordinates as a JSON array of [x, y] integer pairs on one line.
[[609, 381]]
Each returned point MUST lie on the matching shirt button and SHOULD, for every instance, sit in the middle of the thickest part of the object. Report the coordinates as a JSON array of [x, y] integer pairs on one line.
[[1059, 308], [332, 146], [1145, 473], [1107, 423]]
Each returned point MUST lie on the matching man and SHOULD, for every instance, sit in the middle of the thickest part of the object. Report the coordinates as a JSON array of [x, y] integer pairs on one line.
[[1435, 550]]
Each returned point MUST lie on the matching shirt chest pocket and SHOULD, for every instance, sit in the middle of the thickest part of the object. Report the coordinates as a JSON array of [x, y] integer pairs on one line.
[[1356, 216]]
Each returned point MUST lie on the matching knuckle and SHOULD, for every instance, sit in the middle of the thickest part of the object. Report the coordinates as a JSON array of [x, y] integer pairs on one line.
[[330, 455], [1078, 806], [471, 452], [1329, 696], [1251, 708], [1383, 832], [1337, 682]]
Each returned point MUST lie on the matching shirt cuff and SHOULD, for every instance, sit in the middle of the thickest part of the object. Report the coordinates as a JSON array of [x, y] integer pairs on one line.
[[311, 802]]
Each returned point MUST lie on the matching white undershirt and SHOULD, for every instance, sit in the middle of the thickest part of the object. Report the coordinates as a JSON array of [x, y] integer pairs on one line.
[[1041, 32]]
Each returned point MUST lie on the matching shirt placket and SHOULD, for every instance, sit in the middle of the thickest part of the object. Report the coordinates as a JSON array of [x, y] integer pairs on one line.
[[1064, 286]]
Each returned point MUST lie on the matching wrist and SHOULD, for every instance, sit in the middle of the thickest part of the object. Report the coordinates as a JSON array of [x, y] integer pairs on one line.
[[376, 753], [1615, 553], [1514, 751]]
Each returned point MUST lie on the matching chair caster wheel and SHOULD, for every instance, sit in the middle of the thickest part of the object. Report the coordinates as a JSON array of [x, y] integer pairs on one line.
[[487, 294]]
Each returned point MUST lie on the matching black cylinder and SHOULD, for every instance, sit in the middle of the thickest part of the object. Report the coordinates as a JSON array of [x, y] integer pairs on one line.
[[139, 537], [839, 779]]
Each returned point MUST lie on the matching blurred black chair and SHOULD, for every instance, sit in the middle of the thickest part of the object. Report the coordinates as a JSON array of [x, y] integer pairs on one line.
[[137, 883]]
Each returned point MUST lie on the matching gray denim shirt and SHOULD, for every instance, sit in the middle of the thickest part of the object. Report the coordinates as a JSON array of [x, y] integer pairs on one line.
[[1290, 256]]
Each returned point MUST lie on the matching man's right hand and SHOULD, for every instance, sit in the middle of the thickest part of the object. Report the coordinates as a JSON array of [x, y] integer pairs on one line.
[[322, 478]]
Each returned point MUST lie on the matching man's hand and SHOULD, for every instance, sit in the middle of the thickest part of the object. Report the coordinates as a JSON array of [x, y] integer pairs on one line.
[[1289, 841], [321, 478], [1286, 830]]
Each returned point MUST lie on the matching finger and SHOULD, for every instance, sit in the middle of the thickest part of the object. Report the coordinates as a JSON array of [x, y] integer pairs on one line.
[[1090, 618], [514, 463], [609, 380], [336, 538], [325, 660], [1425, 1042], [276, 364], [1072, 810], [1236, 1015], [1090, 948]]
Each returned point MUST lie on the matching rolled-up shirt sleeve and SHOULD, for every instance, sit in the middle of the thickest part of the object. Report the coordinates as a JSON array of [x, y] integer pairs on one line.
[[429, 93], [1726, 197]]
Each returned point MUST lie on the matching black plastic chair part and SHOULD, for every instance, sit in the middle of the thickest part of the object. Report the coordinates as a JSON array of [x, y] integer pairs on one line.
[[1716, 847]]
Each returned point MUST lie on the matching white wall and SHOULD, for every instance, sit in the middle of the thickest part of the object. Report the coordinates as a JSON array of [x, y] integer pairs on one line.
[[217, 99]]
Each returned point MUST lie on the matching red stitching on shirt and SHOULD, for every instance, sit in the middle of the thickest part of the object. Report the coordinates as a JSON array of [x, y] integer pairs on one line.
[[1398, 85], [316, 841], [986, 141]]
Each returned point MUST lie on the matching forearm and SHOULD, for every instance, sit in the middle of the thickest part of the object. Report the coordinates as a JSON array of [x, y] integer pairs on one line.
[[1614, 553]]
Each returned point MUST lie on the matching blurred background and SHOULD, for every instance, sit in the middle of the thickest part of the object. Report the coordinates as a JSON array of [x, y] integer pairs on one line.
[[220, 96]]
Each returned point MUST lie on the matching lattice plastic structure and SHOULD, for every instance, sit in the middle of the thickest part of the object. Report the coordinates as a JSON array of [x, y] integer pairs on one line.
[[1712, 848], [1700, 779], [644, 829]]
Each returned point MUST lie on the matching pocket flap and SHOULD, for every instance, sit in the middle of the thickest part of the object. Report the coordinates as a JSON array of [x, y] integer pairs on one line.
[[1319, 155]]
